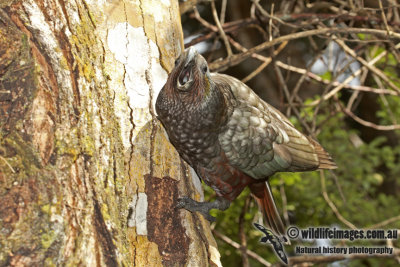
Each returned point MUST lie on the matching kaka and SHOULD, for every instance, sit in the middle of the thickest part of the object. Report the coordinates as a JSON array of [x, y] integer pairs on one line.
[[231, 137]]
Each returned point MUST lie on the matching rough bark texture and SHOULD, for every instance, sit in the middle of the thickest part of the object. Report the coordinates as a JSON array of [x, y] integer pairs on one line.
[[87, 176]]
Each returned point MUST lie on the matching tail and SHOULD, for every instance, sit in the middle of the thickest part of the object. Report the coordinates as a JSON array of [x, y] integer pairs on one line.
[[325, 160], [263, 195], [305, 153]]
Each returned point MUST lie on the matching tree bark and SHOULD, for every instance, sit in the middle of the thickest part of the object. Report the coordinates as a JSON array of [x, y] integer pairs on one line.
[[87, 175]]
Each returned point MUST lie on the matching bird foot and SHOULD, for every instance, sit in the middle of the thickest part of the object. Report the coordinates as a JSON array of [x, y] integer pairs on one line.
[[203, 207]]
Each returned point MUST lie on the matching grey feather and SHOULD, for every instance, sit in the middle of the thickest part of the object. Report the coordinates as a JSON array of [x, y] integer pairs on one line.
[[263, 139]]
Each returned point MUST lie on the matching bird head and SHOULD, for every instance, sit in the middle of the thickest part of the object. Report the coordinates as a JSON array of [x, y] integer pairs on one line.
[[190, 77], [191, 92]]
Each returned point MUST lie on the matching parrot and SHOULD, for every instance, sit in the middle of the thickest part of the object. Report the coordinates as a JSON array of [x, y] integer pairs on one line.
[[231, 137]]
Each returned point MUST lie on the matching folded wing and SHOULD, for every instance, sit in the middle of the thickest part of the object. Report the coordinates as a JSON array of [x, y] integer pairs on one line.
[[260, 141]]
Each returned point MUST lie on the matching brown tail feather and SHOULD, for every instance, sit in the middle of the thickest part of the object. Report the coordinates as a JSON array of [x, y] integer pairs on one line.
[[325, 160], [307, 154], [263, 195]]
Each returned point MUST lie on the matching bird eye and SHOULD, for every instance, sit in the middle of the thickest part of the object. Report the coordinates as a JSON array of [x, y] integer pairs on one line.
[[204, 68], [176, 62]]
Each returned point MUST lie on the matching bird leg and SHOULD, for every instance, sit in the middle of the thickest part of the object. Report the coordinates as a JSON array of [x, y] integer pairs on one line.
[[203, 207]]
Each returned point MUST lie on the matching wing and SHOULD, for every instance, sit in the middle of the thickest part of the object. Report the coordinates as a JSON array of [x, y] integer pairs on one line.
[[259, 140]]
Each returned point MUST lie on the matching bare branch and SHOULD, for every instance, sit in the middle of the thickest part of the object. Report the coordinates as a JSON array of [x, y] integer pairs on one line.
[[190, 4], [319, 79], [351, 77], [371, 67], [385, 222], [237, 246], [242, 234], [220, 65], [221, 31], [265, 63], [369, 124], [203, 21], [287, 95], [331, 204]]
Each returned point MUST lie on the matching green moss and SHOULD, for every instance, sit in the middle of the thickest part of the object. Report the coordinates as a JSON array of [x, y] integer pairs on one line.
[[88, 147], [47, 239], [64, 63], [49, 262], [25, 41], [67, 144], [84, 37], [26, 158], [92, 17], [46, 208], [105, 212]]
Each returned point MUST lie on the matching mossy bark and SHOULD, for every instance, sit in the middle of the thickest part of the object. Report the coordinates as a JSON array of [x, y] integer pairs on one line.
[[87, 176]]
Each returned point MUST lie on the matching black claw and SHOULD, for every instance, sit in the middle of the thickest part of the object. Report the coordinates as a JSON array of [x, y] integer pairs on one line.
[[193, 205]]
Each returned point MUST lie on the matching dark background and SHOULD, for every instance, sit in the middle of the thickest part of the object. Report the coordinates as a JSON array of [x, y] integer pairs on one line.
[[358, 125]]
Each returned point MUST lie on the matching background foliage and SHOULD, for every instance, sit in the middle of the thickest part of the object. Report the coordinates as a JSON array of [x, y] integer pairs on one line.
[[358, 124]]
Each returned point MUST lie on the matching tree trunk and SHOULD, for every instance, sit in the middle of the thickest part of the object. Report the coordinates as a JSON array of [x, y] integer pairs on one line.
[[87, 175]]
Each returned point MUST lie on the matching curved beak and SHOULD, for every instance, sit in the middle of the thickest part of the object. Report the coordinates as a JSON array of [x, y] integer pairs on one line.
[[191, 53]]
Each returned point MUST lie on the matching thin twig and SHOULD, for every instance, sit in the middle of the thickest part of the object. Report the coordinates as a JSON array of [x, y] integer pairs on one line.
[[395, 11], [270, 24], [383, 98], [354, 97], [368, 123], [385, 222], [221, 31], [303, 76], [232, 26], [372, 68], [284, 202], [8, 164], [239, 47], [351, 77], [237, 246], [338, 185], [319, 79], [384, 18], [287, 95], [220, 65], [203, 21], [389, 243], [223, 11], [242, 234], [337, 17], [189, 4], [264, 64], [331, 204], [271, 16]]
